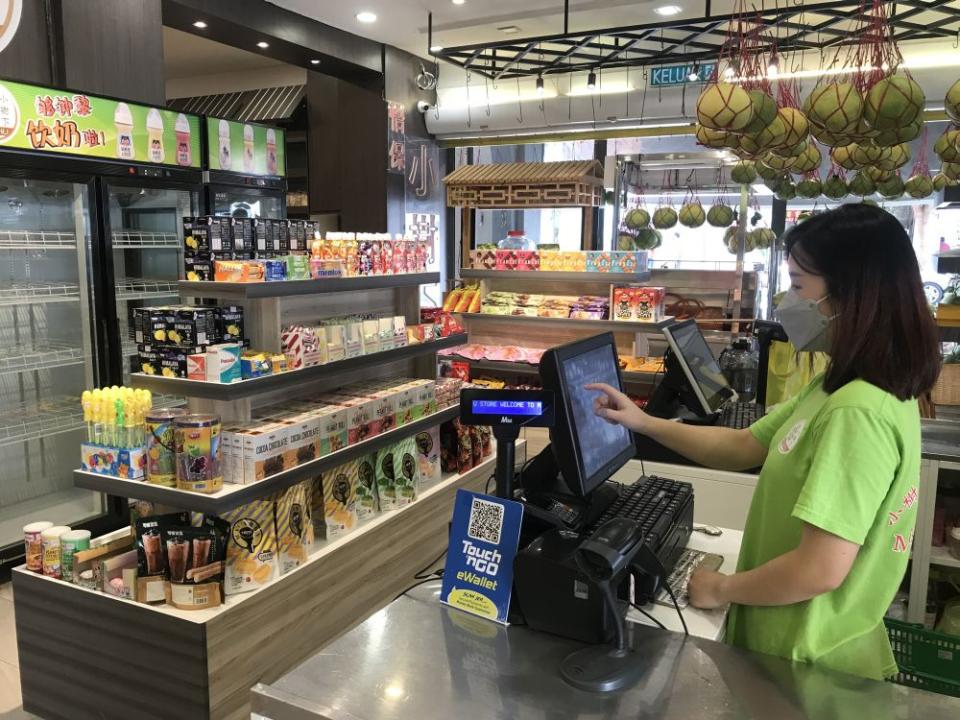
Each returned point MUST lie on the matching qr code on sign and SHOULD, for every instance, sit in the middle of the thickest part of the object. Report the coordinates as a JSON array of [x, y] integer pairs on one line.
[[486, 521]]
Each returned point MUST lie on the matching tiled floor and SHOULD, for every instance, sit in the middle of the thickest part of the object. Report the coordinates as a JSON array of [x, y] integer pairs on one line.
[[10, 707]]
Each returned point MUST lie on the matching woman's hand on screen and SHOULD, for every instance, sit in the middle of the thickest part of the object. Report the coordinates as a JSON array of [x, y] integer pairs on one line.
[[616, 408]]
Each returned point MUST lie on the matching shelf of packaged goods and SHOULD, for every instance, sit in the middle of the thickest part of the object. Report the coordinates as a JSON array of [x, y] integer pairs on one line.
[[598, 325], [143, 289], [25, 422], [547, 276], [37, 240], [232, 496], [522, 368], [138, 240], [291, 378], [941, 556], [286, 288], [20, 358], [18, 293]]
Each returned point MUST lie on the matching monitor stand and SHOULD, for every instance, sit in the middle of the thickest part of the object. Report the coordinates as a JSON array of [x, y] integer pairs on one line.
[[673, 396], [549, 500]]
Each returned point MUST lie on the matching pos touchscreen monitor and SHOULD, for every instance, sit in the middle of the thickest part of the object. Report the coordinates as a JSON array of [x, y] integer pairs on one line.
[[587, 448]]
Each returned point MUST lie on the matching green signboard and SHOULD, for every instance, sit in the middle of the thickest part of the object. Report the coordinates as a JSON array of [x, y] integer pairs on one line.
[[246, 148], [58, 121]]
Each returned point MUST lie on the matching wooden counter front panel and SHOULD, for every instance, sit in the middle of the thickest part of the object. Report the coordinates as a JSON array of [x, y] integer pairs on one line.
[[272, 632]]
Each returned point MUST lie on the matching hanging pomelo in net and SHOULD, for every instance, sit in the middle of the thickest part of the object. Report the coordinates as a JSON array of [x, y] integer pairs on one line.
[[861, 185], [716, 139], [951, 102], [889, 138], [835, 186], [920, 184], [664, 218], [898, 157], [843, 156], [692, 214], [878, 175], [764, 110], [730, 239], [724, 106], [951, 170], [808, 160], [787, 190], [810, 187], [946, 145], [834, 106], [743, 173], [940, 181], [869, 154], [891, 188], [778, 162], [765, 171], [893, 102], [720, 214], [636, 218]]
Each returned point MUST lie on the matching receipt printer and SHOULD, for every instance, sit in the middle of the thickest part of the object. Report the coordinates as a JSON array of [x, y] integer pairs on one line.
[[554, 596]]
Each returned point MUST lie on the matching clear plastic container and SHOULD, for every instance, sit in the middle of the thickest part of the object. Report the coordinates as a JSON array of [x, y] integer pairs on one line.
[[953, 542], [739, 364], [516, 240]]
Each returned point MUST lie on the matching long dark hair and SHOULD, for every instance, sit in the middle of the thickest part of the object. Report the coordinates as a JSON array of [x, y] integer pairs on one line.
[[884, 332]]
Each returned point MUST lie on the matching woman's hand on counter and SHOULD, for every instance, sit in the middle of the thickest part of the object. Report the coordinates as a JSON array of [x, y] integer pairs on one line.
[[706, 589]]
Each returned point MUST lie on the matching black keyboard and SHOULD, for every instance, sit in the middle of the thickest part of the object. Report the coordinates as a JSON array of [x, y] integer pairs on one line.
[[740, 415], [656, 503]]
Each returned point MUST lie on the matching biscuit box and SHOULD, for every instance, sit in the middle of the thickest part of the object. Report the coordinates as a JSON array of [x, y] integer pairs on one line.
[[506, 260], [550, 261], [528, 260], [599, 261]]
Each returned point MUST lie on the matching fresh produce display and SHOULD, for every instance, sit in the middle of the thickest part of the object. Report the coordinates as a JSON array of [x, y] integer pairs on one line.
[[664, 218], [692, 214], [636, 218], [720, 215], [744, 172]]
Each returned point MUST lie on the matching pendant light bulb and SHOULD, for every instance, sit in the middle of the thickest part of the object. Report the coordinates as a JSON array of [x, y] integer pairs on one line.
[[592, 80], [540, 86]]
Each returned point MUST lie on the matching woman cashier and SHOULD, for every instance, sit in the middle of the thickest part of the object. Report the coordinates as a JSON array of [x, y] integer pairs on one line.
[[828, 535]]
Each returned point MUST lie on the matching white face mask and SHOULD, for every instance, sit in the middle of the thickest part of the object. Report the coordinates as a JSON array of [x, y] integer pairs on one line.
[[805, 325]]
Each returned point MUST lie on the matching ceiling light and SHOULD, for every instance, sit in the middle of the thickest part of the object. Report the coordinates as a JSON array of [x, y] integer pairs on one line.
[[667, 10], [592, 79], [773, 69], [458, 2], [200, 24], [436, 48], [315, 61], [729, 73], [509, 29], [365, 16], [263, 45], [540, 86], [694, 75]]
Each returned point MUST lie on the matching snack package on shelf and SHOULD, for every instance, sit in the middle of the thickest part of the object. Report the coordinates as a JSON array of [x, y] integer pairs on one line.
[[238, 271], [386, 479], [428, 456], [294, 526], [340, 498], [406, 471], [251, 547], [600, 261], [637, 303], [368, 500], [196, 559]]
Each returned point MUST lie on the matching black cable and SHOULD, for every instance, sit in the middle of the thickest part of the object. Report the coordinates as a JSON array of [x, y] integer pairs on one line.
[[666, 586], [415, 585], [649, 617], [419, 575]]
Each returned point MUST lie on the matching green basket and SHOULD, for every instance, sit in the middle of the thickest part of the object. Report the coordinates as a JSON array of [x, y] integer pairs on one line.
[[927, 659]]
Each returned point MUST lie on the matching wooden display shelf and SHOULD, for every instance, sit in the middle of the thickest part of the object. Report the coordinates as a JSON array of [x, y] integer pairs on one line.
[[288, 288], [605, 278], [184, 387], [119, 658], [599, 325], [232, 496]]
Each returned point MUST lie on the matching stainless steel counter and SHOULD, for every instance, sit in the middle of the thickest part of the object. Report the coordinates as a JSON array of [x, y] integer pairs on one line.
[[940, 440], [418, 660]]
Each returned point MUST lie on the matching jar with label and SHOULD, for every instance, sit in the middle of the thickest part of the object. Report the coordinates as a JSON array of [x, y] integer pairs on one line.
[[953, 542], [52, 563], [72, 542], [33, 544]]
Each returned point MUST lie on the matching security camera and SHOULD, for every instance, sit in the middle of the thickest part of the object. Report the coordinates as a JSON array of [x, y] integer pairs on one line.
[[423, 106]]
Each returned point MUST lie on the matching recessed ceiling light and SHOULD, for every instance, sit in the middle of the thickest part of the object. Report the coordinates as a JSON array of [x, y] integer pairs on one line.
[[667, 10], [458, 2], [365, 16], [436, 48], [200, 24], [509, 29], [315, 61], [263, 45]]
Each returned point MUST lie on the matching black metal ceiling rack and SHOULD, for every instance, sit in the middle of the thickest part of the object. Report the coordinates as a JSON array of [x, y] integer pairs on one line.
[[807, 26]]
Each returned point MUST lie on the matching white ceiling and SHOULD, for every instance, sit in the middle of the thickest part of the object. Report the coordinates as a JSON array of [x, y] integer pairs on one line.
[[403, 23]]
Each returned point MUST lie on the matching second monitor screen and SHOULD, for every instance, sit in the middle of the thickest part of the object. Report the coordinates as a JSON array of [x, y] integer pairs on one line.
[[599, 441]]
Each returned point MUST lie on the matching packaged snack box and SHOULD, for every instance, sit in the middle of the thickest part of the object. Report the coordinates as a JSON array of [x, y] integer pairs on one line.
[[627, 261], [428, 455], [368, 503], [599, 261], [333, 429], [244, 241], [238, 271], [336, 343], [294, 526], [223, 363], [317, 509], [487, 259], [264, 450], [384, 414], [151, 325], [371, 337], [304, 439], [386, 479], [251, 546], [506, 260], [528, 260], [621, 303], [353, 338], [298, 267], [340, 499], [229, 323], [405, 471], [198, 268]]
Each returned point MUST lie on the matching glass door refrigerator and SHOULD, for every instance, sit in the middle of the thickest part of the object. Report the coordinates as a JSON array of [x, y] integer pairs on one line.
[[91, 194], [247, 170]]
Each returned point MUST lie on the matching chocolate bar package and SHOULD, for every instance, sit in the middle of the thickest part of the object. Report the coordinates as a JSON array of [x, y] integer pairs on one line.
[[151, 550]]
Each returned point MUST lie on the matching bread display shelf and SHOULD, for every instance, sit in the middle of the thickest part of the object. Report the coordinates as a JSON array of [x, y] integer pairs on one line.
[[185, 387], [232, 496]]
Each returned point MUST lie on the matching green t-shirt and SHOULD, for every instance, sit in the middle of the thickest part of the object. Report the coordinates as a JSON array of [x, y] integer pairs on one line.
[[848, 463]]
